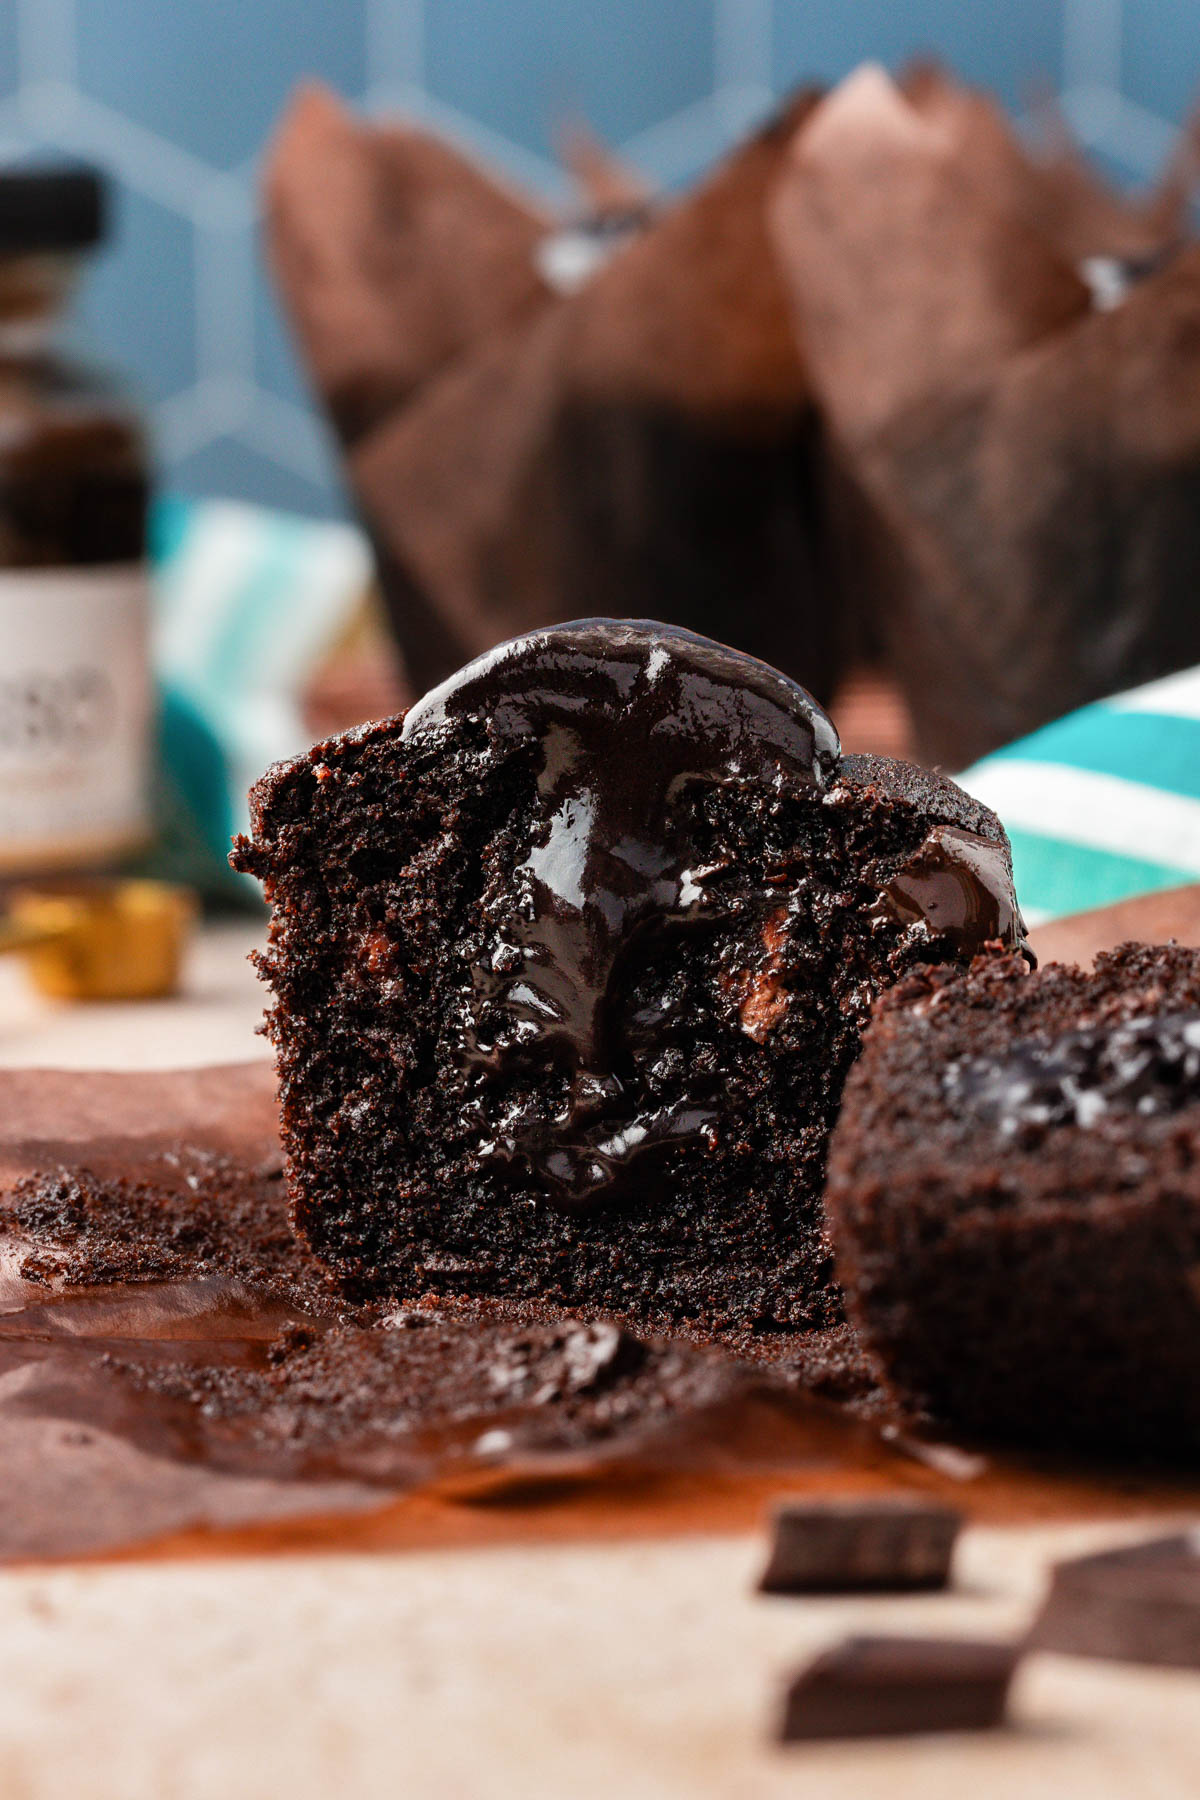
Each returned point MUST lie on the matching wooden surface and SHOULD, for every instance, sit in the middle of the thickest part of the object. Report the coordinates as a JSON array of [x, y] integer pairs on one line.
[[630, 1669], [630, 1672], [1152, 918], [213, 1021]]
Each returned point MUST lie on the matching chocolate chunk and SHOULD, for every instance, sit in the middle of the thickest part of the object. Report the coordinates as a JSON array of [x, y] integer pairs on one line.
[[1139, 1604], [841, 1546], [959, 884], [884, 1686]]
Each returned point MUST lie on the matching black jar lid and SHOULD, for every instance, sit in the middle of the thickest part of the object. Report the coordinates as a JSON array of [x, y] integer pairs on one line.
[[50, 206]]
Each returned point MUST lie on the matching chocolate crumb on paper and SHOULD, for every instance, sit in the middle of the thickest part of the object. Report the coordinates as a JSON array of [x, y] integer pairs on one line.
[[173, 1361], [173, 1357]]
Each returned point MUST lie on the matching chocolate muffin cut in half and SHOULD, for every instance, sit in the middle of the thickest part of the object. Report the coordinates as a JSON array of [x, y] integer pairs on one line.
[[570, 962], [1014, 1196]]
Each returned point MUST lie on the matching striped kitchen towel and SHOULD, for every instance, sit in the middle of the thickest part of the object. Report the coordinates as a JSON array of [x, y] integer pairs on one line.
[[247, 602], [1103, 804]]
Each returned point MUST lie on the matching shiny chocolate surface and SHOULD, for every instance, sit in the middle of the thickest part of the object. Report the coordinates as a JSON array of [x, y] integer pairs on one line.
[[631, 719], [958, 886], [630, 723]]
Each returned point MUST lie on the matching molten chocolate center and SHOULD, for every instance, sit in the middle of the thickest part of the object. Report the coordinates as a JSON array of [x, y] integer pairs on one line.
[[629, 717], [629, 721]]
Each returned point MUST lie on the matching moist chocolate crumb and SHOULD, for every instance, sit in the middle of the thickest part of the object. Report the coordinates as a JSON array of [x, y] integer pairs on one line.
[[246, 1355], [190, 1212], [365, 1399], [831, 1363], [1014, 1195]]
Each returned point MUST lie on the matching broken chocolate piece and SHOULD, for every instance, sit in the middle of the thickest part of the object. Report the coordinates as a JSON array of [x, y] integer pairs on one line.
[[1140, 1603], [965, 321], [880, 1686], [842, 1546]]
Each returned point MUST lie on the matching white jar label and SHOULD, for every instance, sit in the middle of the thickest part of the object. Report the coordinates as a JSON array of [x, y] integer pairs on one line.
[[75, 715]]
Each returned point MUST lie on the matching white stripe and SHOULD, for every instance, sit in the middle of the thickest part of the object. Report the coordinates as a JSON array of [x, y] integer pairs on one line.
[[1104, 812], [316, 595], [199, 588], [319, 571], [1176, 695]]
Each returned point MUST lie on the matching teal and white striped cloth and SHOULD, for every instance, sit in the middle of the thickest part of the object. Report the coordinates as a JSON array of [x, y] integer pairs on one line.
[[1103, 804], [247, 601]]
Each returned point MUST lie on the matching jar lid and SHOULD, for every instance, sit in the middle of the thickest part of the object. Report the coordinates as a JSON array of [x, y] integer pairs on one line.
[[51, 206]]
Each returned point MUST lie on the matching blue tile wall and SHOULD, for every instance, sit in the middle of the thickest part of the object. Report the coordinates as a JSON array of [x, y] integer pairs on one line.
[[1160, 54], [176, 97], [9, 56], [209, 75], [1011, 47], [140, 298], [521, 68]]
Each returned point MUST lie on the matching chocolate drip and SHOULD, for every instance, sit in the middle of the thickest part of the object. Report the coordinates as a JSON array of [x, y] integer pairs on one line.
[[1148, 1065], [630, 718], [957, 886]]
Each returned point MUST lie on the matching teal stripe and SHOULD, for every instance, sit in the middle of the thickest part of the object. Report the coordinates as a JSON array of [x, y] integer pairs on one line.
[[1055, 878], [171, 519], [1153, 748], [253, 624]]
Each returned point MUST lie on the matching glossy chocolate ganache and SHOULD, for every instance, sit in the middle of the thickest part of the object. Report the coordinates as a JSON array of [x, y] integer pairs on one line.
[[958, 885], [632, 721], [629, 718]]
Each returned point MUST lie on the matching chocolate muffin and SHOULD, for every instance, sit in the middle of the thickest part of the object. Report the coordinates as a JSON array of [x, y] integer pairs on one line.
[[523, 445], [569, 964], [1010, 363], [1014, 1196]]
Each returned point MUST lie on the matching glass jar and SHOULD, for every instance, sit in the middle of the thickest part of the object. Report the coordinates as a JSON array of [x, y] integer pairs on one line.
[[75, 691]]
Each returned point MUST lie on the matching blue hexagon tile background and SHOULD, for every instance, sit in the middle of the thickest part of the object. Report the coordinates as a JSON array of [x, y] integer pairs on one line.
[[175, 98]]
